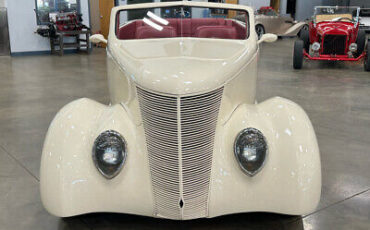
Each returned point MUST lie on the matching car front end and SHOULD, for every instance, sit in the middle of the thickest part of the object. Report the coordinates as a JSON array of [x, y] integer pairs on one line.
[[334, 42], [334, 34], [183, 137]]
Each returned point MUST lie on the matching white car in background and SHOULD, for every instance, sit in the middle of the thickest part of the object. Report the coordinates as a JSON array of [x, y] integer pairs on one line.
[[269, 21], [365, 19], [182, 137]]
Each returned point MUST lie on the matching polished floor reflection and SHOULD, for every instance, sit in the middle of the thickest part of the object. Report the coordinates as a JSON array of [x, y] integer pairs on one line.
[[336, 96]]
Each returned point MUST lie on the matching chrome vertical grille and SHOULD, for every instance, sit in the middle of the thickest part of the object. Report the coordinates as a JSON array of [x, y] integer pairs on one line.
[[180, 136], [159, 114], [198, 125]]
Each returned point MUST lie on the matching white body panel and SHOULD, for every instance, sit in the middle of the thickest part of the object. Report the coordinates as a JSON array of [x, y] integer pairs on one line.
[[365, 21], [289, 183], [280, 25], [294, 30], [191, 65]]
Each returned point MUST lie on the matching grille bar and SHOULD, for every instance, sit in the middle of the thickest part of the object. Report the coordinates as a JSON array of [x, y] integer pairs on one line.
[[180, 137], [198, 125], [159, 114]]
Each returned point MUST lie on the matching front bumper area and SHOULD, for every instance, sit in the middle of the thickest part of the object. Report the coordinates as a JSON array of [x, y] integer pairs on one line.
[[289, 183], [323, 57]]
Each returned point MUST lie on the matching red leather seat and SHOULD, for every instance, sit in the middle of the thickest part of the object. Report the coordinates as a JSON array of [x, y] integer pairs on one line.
[[144, 32], [224, 32], [186, 27], [199, 22]]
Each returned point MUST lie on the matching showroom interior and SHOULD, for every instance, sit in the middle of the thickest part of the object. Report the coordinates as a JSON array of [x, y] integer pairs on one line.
[[173, 98]]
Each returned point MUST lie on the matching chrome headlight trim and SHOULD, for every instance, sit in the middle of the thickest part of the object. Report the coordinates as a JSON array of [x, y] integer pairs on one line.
[[316, 46], [353, 47], [262, 137], [119, 166]]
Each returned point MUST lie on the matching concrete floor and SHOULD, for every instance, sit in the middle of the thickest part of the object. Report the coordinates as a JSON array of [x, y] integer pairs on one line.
[[336, 96]]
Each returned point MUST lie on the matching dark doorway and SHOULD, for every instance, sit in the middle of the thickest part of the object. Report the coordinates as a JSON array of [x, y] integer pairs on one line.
[[4, 33], [291, 7]]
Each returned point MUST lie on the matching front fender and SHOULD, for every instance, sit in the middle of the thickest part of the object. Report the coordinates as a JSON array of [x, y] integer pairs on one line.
[[289, 182], [294, 30], [71, 184]]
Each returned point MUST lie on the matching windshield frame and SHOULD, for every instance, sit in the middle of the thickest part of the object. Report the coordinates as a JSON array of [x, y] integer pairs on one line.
[[158, 6], [356, 18]]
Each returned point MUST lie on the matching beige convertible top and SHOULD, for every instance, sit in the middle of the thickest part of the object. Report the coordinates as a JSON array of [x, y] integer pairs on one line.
[[329, 17]]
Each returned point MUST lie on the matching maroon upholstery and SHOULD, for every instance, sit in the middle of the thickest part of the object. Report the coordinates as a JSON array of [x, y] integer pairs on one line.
[[225, 32], [195, 23], [186, 27], [175, 23], [144, 32], [128, 31], [240, 30], [196, 27]]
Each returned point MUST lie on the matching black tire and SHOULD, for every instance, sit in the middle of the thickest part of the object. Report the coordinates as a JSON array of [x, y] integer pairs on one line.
[[260, 30], [361, 40], [367, 57], [298, 54], [305, 37]]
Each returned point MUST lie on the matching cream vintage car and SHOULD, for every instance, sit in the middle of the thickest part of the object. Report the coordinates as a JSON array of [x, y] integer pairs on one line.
[[267, 20], [183, 137]]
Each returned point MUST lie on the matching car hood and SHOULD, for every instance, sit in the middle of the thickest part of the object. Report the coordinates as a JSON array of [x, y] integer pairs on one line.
[[343, 28], [182, 66]]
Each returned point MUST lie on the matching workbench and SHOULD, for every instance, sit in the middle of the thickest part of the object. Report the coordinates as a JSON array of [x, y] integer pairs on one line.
[[59, 41]]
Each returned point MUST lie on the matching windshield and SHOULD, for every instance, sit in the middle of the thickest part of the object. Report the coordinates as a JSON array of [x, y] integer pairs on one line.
[[336, 13], [181, 21]]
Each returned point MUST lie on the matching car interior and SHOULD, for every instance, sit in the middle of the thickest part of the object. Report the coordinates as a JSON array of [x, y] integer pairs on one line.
[[177, 27], [330, 17]]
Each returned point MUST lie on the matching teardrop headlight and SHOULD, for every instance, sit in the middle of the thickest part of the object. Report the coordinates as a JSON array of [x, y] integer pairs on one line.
[[109, 153], [250, 150]]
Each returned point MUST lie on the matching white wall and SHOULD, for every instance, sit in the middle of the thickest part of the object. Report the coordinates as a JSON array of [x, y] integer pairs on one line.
[[304, 9], [256, 4], [2, 3], [283, 5], [22, 25], [122, 2]]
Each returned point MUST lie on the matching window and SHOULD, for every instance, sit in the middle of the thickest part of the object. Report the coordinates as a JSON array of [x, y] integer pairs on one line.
[[44, 7], [182, 21]]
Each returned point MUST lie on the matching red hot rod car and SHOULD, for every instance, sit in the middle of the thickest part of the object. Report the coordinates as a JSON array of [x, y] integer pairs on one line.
[[333, 35]]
